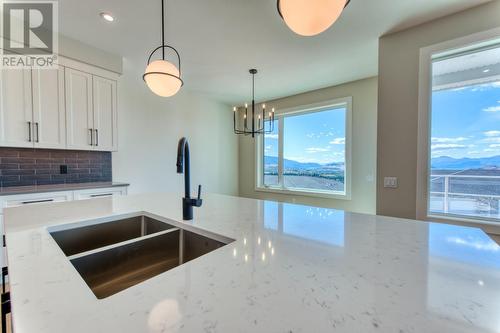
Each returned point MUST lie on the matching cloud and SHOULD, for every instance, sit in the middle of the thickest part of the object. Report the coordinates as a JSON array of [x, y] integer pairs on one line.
[[446, 146], [314, 150], [338, 141], [319, 135], [496, 145], [492, 140], [481, 245], [492, 109], [492, 133], [272, 136], [448, 140]]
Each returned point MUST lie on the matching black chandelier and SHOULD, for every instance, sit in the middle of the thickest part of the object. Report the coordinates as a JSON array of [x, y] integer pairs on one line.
[[257, 118]]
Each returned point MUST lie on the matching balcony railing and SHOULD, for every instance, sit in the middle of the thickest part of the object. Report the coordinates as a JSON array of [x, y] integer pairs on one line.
[[465, 195]]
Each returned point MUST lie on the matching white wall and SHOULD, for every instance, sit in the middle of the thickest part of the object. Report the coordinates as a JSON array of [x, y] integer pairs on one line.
[[398, 100], [364, 148], [150, 128]]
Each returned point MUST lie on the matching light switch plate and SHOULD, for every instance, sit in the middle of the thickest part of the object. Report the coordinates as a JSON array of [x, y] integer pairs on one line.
[[391, 182]]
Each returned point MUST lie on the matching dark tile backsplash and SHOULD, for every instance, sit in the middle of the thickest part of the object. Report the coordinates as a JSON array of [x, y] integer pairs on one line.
[[26, 166]]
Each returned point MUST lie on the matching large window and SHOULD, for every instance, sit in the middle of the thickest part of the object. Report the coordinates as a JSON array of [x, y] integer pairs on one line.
[[464, 135], [308, 152]]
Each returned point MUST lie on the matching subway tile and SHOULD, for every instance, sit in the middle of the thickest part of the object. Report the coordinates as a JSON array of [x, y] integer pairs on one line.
[[12, 178], [19, 183], [9, 166], [63, 154], [35, 177], [22, 166], [17, 160], [34, 153], [9, 152], [18, 172]]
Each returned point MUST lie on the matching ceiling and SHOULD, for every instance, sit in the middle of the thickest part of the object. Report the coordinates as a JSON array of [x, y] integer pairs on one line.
[[219, 40]]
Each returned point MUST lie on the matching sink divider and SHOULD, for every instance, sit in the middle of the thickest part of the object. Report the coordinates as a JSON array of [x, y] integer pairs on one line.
[[133, 240]]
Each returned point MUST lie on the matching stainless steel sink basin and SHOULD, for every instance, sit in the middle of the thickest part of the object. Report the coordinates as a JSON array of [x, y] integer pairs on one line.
[[124, 256], [91, 237]]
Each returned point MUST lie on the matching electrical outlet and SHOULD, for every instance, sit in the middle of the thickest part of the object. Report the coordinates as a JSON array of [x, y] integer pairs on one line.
[[63, 169], [391, 182]]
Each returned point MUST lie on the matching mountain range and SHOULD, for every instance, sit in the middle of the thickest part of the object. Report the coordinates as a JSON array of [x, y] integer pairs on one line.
[[441, 163], [291, 164], [450, 163]]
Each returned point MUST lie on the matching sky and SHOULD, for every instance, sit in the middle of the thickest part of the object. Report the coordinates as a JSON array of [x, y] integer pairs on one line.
[[311, 138], [466, 121]]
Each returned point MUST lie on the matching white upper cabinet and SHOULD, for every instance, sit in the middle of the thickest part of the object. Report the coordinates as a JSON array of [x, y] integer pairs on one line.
[[79, 113], [16, 116], [49, 128], [69, 107], [105, 114]]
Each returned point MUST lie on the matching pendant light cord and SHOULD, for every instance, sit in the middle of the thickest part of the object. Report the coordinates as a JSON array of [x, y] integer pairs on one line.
[[162, 29], [253, 87]]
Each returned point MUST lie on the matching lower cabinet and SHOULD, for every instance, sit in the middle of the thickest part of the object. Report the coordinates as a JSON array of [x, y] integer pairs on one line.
[[34, 198], [3, 261], [99, 193]]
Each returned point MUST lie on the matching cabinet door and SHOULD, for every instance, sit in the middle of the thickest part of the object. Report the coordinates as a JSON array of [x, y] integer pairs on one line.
[[79, 116], [105, 114], [16, 116], [48, 108], [100, 193], [34, 198], [3, 261]]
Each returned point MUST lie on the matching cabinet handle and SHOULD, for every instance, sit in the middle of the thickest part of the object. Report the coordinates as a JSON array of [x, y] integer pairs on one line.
[[29, 131], [96, 138], [37, 139], [36, 201], [91, 136], [101, 195], [5, 310], [5, 272]]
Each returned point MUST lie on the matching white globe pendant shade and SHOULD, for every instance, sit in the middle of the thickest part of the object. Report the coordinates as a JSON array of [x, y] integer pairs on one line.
[[163, 78], [310, 17]]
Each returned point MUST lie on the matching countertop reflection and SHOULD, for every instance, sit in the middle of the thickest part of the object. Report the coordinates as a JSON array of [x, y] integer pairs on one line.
[[291, 268]]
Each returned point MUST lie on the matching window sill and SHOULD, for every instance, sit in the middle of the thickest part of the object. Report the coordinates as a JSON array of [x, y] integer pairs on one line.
[[463, 219], [316, 194], [488, 226]]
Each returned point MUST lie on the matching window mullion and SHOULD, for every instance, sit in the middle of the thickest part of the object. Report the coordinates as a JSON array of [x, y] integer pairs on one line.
[[281, 130]]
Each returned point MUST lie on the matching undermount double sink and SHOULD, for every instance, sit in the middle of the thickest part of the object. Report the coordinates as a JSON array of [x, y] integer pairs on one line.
[[116, 255]]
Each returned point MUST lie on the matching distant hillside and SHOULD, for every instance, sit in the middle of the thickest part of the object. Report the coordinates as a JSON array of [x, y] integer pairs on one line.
[[291, 164], [450, 163]]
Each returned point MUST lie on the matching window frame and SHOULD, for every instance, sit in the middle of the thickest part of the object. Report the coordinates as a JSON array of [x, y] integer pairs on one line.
[[338, 103], [424, 125]]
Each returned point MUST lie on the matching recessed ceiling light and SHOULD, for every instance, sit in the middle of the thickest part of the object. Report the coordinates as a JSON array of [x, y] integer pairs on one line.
[[486, 70], [107, 17]]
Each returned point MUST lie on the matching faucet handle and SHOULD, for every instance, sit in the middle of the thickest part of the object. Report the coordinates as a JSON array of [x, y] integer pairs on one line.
[[199, 192]]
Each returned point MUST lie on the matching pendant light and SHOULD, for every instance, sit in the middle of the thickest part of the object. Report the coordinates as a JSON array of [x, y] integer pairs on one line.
[[162, 76], [255, 122], [310, 17]]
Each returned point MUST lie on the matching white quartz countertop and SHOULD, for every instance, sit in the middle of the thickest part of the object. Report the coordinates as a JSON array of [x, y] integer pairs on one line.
[[291, 269]]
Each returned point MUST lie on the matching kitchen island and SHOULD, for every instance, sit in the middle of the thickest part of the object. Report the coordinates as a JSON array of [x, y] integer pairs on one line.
[[285, 268]]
